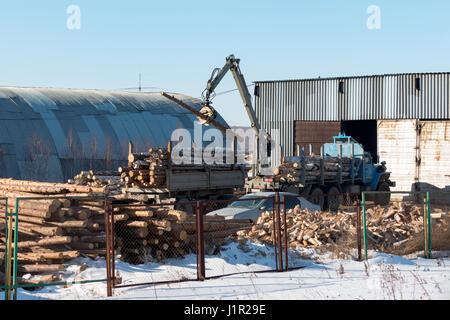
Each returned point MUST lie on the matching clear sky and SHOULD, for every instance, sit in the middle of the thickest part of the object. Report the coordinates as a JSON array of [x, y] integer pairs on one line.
[[176, 44]]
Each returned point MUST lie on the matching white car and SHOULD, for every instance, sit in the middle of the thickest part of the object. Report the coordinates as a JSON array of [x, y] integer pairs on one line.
[[252, 209]]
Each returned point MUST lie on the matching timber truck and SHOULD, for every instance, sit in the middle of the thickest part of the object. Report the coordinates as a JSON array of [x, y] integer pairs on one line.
[[364, 174]]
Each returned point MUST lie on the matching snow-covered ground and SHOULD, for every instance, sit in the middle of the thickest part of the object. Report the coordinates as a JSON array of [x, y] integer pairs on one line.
[[382, 276]]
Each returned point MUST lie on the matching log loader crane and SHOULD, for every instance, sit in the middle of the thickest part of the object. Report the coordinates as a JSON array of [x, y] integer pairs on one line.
[[232, 64]]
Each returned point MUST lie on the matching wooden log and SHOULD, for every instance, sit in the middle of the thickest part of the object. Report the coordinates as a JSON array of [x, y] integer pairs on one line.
[[133, 224], [170, 214], [42, 242], [83, 246], [39, 268]]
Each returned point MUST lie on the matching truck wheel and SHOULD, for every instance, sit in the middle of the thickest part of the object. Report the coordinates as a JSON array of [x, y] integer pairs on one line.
[[318, 199], [383, 198], [333, 202]]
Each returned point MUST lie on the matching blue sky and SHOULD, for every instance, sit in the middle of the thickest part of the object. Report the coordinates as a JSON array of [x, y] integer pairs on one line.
[[176, 44]]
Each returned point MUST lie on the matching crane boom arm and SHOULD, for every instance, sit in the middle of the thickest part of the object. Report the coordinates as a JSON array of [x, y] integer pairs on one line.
[[232, 64]]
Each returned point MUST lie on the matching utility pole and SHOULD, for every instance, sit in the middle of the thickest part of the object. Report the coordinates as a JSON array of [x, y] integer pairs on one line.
[[140, 87]]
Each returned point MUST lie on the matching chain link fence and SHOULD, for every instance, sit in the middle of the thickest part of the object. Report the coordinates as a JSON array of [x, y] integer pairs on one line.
[[406, 226]]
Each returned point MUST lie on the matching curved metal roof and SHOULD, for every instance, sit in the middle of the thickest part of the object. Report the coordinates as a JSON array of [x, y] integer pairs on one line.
[[52, 134]]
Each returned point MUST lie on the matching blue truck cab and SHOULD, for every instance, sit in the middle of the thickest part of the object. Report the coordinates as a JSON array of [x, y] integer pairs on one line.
[[368, 173]]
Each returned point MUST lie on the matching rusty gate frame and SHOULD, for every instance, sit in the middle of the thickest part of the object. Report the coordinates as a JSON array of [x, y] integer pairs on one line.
[[112, 282], [284, 245]]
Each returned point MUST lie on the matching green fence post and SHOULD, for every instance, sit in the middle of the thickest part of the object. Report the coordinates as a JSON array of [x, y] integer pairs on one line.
[[425, 225], [364, 223], [16, 234], [429, 225]]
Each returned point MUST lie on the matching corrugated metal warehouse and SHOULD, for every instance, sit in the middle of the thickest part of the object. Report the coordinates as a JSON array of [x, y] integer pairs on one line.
[[404, 118], [52, 134]]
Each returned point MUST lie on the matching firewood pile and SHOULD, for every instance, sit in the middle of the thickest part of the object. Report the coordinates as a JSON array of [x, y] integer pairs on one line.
[[162, 232], [107, 179], [148, 170], [292, 167], [387, 226]]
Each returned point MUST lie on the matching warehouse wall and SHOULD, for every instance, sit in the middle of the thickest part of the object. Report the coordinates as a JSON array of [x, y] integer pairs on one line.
[[416, 152], [278, 104]]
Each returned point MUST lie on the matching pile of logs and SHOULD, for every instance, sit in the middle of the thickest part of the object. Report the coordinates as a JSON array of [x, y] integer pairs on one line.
[[293, 167], [146, 169], [108, 179], [163, 232], [52, 232], [387, 226]]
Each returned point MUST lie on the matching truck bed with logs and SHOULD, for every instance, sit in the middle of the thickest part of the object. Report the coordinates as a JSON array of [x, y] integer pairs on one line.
[[154, 177], [341, 167]]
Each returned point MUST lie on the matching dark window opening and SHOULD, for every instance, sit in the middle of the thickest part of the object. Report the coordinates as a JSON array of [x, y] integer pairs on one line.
[[341, 86], [364, 132], [417, 83]]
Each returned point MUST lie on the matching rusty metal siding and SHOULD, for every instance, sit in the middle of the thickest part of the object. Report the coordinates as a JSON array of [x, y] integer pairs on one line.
[[314, 132], [434, 172], [396, 142]]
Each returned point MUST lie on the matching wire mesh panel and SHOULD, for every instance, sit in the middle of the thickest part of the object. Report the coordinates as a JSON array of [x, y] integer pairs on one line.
[[59, 241], [239, 236], [307, 225], [151, 237], [438, 229], [402, 227]]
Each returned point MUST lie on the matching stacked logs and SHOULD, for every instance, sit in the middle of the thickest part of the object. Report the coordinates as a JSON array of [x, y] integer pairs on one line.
[[387, 226], [52, 232], [108, 179], [292, 167], [163, 232], [148, 170]]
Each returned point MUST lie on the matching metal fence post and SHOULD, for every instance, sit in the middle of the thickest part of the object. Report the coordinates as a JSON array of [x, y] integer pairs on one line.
[[278, 231], [274, 225], [364, 223], [200, 243], [16, 235], [429, 225], [358, 227], [109, 241], [285, 235]]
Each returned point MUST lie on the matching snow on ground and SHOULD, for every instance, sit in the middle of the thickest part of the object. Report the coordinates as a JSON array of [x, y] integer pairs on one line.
[[382, 276]]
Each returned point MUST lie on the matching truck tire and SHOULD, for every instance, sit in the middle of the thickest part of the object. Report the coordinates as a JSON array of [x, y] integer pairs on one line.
[[317, 191], [332, 203], [383, 198]]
